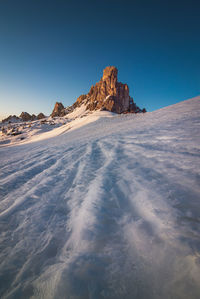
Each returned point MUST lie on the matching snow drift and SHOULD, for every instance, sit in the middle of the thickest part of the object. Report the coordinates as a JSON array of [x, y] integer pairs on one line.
[[109, 209]]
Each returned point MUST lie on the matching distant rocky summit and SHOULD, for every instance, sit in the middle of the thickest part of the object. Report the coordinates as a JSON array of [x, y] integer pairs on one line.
[[40, 116], [11, 118], [58, 110], [24, 116], [107, 94]]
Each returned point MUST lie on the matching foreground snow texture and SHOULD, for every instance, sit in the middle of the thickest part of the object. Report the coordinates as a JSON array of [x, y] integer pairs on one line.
[[108, 210]]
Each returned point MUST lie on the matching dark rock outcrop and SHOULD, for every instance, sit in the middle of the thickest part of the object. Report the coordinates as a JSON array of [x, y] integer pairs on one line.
[[25, 116], [40, 116], [10, 119], [33, 117], [58, 110]]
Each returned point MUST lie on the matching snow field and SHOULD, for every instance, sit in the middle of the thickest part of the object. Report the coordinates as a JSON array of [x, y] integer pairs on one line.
[[108, 210]]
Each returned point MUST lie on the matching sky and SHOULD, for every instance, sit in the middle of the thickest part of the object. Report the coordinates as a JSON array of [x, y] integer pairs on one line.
[[55, 50]]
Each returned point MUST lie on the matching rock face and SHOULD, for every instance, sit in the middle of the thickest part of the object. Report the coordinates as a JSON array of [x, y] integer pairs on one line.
[[33, 117], [57, 111], [40, 115], [107, 94], [11, 118], [25, 116]]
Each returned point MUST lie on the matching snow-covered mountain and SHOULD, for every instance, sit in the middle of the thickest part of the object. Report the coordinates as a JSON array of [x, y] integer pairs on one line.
[[100, 205]]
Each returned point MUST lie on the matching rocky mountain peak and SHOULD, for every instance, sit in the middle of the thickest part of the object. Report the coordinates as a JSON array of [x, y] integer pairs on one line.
[[40, 115], [107, 94], [110, 72], [25, 116], [57, 109]]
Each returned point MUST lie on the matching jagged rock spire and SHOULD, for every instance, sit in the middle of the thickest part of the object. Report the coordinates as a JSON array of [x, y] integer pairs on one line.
[[57, 109], [107, 94]]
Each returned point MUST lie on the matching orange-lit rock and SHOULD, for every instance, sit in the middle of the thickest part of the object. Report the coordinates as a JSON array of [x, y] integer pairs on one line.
[[108, 94], [58, 108]]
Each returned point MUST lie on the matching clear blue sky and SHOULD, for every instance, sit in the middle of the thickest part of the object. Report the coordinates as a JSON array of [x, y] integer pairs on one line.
[[55, 50]]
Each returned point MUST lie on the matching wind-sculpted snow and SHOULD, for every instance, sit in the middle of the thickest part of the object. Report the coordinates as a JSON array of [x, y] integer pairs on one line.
[[109, 210]]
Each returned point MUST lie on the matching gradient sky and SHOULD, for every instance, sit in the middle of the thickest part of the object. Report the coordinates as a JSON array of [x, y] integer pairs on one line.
[[55, 50]]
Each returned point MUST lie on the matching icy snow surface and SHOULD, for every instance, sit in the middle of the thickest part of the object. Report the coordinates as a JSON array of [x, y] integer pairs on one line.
[[110, 209]]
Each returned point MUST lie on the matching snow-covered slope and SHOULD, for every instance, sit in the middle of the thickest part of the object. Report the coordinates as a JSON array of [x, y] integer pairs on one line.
[[110, 209], [25, 132]]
